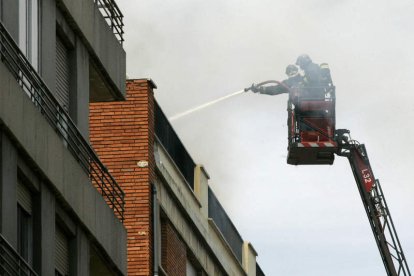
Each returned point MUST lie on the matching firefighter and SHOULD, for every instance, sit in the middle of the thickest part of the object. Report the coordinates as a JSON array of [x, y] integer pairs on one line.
[[326, 78], [312, 79], [294, 80]]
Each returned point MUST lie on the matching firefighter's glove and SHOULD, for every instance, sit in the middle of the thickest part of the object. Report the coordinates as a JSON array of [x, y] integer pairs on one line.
[[256, 89]]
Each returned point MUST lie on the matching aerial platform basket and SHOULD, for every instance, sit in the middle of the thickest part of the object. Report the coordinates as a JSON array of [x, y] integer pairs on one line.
[[311, 125]]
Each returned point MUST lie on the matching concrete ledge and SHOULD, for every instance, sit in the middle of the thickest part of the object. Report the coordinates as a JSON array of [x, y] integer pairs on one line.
[[166, 164], [36, 138]]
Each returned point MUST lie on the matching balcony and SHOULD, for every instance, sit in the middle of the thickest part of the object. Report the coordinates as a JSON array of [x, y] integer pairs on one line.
[[113, 16], [11, 263], [99, 24], [41, 97], [174, 147], [217, 213]]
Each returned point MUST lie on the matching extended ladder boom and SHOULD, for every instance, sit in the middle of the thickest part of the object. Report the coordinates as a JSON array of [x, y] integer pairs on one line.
[[375, 205]]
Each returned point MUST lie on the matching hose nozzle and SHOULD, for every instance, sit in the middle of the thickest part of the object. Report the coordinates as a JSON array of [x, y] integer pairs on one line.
[[249, 88]]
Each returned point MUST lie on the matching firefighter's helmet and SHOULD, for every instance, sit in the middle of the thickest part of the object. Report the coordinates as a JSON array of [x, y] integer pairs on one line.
[[291, 70], [303, 60]]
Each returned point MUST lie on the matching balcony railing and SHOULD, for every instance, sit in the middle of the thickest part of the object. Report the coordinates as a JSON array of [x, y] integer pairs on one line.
[[113, 16], [226, 226], [175, 148], [59, 120], [11, 263]]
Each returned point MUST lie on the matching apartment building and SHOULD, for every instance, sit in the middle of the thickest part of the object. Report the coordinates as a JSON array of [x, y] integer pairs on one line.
[[61, 211], [176, 224]]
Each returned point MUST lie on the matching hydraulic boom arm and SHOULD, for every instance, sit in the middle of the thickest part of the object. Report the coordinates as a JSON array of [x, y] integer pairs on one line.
[[375, 205]]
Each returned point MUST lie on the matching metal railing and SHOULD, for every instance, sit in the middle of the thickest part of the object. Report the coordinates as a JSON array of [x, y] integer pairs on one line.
[[11, 263], [59, 120], [175, 148], [113, 16], [226, 226]]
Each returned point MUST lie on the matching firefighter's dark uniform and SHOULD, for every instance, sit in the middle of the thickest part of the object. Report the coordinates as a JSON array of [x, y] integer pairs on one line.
[[292, 82], [313, 86]]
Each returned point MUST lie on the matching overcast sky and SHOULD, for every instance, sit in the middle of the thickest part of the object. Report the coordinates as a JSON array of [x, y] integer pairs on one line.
[[302, 220]]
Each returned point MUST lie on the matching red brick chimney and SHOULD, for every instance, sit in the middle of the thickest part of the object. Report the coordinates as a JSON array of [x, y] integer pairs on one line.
[[122, 134]]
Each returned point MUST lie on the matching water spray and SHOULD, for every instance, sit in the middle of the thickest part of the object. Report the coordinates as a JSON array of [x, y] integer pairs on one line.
[[205, 105], [179, 115]]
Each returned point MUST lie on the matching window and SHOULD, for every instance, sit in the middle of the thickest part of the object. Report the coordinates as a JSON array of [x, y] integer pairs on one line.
[[62, 73], [24, 222], [61, 252], [24, 233], [29, 30], [64, 49]]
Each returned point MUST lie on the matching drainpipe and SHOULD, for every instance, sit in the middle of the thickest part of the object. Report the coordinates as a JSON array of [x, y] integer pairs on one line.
[[155, 229]]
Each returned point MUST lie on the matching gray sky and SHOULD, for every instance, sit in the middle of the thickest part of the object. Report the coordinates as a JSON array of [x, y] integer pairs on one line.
[[302, 220]]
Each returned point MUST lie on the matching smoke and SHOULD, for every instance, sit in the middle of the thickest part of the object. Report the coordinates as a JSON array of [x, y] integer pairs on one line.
[[198, 50]]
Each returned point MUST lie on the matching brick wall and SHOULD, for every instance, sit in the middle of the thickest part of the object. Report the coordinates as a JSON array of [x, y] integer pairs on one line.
[[122, 133], [173, 251]]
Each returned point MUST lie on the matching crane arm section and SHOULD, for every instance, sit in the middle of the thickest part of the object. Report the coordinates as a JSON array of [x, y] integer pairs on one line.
[[375, 205]]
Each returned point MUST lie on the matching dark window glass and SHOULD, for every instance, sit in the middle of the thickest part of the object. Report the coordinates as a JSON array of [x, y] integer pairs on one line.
[[24, 234]]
